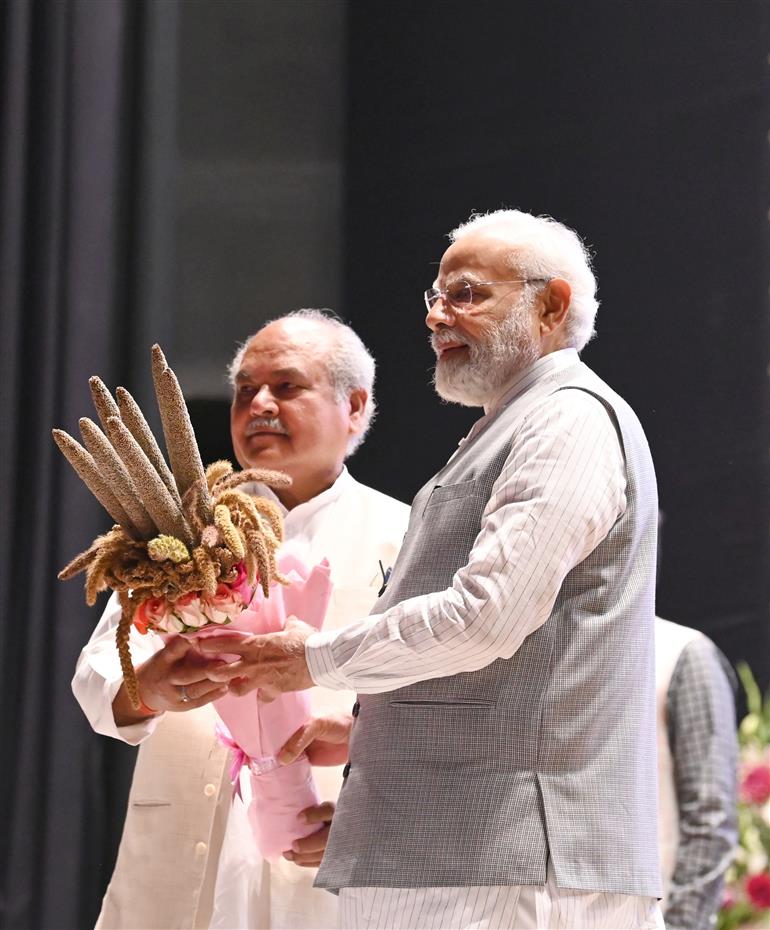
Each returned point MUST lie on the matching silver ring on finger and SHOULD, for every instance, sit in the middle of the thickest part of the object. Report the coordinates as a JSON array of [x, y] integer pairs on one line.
[[184, 697]]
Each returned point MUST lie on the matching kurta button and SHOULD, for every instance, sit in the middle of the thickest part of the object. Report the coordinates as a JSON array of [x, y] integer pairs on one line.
[[346, 770], [200, 848], [209, 790], [356, 709]]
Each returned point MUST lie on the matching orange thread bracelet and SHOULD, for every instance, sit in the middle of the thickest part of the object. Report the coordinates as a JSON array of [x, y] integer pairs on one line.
[[145, 709]]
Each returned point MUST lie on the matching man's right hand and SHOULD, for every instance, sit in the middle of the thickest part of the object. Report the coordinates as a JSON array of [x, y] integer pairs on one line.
[[173, 673], [323, 739]]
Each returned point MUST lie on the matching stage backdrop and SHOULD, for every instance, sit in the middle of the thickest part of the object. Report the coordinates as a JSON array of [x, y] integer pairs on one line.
[[645, 127]]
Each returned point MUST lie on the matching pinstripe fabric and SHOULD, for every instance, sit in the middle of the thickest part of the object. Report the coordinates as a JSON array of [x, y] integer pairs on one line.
[[506, 676], [495, 907]]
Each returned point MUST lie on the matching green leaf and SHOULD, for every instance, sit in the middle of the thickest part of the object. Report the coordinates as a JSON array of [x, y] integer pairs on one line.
[[750, 686]]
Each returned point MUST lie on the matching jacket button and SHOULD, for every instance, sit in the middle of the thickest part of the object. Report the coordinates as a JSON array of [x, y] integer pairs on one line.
[[356, 709]]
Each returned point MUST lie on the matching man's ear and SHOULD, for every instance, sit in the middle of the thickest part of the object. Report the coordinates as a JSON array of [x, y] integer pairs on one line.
[[356, 407], [556, 302]]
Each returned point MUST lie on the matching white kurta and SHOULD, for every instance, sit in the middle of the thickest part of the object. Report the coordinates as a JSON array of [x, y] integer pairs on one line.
[[186, 857]]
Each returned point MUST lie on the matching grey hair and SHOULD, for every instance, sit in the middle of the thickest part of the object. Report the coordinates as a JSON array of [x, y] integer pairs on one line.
[[348, 362], [548, 249]]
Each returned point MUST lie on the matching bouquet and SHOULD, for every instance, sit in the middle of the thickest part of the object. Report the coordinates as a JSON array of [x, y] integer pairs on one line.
[[187, 546], [188, 553], [256, 730], [746, 901]]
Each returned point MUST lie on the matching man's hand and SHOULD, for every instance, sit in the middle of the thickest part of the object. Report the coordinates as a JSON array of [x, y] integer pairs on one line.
[[309, 851], [323, 739], [173, 673], [274, 662]]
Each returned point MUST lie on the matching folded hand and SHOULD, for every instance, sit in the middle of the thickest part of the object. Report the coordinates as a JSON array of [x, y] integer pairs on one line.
[[309, 851], [272, 662]]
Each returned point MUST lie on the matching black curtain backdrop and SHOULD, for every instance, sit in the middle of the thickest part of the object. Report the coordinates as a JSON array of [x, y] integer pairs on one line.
[[85, 153], [645, 127]]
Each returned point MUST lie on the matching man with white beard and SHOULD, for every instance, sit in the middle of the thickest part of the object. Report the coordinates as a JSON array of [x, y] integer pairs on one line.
[[502, 761]]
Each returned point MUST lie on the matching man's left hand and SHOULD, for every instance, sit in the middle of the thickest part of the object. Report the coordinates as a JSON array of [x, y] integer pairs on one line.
[[273, 662], [309, 851]]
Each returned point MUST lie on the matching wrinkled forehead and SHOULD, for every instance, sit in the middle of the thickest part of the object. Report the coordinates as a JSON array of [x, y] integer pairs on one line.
[[477, 258]]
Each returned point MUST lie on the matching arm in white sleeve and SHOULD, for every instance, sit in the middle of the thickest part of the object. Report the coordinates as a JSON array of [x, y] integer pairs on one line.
[[98, 676], [559, 493]]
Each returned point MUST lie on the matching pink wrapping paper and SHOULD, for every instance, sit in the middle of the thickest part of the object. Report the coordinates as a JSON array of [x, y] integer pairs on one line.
[[256, 730]]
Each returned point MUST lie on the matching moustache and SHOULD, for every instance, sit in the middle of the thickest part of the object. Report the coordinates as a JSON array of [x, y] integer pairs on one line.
[[258, 424], [447, 336]]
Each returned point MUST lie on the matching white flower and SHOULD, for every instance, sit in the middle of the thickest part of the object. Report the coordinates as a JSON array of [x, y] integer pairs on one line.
[[757, 862], [171, 624], [190, 614]]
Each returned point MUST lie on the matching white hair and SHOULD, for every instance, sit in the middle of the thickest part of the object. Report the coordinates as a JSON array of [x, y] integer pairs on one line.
[[548, 249], [348, 363]]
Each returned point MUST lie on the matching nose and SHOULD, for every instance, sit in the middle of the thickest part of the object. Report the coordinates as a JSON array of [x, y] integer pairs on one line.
[[439, 314], [263, 403]]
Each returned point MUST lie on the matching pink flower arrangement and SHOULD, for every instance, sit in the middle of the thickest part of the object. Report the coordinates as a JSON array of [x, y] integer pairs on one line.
[[758, 890], [194, 611], [755, 785], [746, 901]]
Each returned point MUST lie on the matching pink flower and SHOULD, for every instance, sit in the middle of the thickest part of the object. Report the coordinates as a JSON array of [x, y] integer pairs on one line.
[[755, 787], [758, 890], [728, 899], [241, 585], [223, 607], [151, 614]]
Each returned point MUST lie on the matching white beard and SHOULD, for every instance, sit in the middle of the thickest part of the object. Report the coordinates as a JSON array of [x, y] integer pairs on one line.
[[474, 379]]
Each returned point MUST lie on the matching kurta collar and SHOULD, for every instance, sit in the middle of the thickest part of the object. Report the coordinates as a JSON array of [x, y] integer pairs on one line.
[[521, 382], [305, 511]]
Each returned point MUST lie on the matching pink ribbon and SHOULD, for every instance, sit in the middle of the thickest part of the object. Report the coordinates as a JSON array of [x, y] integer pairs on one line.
[[239, 758]]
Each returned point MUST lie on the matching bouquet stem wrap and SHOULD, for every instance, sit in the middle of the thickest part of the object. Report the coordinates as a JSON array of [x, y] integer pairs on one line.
[[256, 730]]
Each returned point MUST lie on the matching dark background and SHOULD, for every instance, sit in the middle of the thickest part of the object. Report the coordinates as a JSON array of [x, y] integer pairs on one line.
[[184, 171]]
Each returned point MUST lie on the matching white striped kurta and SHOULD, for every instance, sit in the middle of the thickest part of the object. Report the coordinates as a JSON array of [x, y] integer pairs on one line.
[[556, 499], [494, 907]]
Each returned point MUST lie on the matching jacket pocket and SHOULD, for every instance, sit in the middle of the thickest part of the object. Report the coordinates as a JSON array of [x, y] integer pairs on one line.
[[443, 705]]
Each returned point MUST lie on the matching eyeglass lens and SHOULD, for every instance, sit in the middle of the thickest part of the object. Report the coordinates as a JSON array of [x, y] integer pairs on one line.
[[459, 295]]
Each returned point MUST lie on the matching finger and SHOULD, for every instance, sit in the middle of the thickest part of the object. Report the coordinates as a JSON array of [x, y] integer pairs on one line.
[[225, 642], [267, 694], [204, 688], [193, 704], [227, 671], [319, 813], [311, 861], [175, 648], [315, 843], [185, 674], [241, 686], [297, 743]]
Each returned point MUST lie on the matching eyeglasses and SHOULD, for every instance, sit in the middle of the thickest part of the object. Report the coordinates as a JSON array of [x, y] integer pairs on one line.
[[460, 295]]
